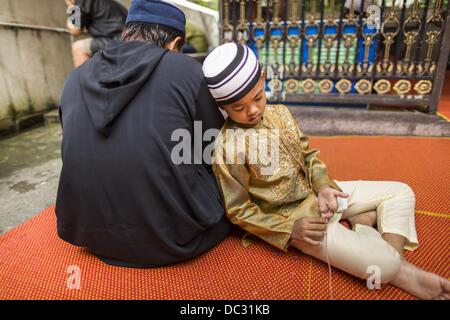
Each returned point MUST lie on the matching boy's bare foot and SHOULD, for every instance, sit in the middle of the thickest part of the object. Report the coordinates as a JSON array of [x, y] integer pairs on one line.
[[421, 284]]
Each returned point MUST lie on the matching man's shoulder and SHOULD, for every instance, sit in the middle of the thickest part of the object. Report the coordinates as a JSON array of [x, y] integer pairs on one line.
[[179, 68], [73, 78], [182, 62], [71, 82]]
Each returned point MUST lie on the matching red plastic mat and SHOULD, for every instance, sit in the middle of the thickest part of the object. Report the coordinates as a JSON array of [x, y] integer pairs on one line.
[[36, 264]]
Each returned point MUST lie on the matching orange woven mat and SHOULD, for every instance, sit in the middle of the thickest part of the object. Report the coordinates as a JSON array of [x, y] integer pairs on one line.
[[36, 264]]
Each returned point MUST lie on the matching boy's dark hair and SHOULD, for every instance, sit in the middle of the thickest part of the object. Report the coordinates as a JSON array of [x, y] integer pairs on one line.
[[154, 33]]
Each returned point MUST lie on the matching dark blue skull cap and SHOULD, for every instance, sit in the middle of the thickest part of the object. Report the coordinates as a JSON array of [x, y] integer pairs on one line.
[[157, 12]]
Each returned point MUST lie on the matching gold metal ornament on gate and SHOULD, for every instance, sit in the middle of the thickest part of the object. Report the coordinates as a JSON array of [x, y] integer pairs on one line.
[[276, 42], [389, 29], [259, 26], [411, 29], [423, 87], [227, 26], [325, 86], [242, 29], [349, 39], [344, 86], [363, 86], [382, 86], [291, 86], [275, 84], [291, 66], [402, 86], [309, 67], [308, 86], [365, 67], [434, 26], [329, 39]]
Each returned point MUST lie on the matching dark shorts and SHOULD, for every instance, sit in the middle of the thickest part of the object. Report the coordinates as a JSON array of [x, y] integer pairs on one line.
[[99, 43]]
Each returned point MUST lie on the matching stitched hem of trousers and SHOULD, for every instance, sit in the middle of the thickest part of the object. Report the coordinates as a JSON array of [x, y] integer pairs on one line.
[[410, 245]]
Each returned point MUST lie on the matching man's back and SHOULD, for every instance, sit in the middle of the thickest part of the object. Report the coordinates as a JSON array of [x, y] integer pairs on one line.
[[120, 193]]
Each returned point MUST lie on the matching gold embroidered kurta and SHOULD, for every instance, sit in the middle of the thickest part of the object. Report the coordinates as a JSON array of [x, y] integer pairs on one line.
[[267, 205]]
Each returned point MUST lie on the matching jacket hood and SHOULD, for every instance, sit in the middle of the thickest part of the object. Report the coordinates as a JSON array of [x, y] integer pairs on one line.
[[114, 76]]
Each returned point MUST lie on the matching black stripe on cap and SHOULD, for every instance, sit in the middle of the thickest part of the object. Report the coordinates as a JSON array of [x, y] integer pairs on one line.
[[246, 90], [235, 72]]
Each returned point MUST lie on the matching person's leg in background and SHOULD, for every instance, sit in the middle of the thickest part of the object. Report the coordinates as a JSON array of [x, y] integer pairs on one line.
[[84, 49], [81, 51]]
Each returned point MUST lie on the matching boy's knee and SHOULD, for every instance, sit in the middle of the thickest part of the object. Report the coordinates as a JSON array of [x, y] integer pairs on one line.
[[363, 251], [407, 190], [403, 189]]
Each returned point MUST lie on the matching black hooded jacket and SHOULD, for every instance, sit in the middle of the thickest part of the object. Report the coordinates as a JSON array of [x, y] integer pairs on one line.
[[120, 194]]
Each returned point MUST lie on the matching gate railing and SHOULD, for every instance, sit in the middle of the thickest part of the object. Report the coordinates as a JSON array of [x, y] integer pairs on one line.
[[382, 52]]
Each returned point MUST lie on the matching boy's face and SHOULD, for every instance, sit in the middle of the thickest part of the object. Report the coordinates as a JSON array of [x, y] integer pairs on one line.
[[250, 108]]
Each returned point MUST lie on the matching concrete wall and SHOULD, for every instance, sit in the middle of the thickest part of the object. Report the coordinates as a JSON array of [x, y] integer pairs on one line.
[[33, 63]]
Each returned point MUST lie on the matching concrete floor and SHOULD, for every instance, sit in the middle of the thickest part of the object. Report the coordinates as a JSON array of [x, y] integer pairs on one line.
[[29, 171], [347, 121], [30, 162]]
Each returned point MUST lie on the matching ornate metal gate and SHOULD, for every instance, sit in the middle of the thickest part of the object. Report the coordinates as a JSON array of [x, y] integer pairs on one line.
[[386, 52]]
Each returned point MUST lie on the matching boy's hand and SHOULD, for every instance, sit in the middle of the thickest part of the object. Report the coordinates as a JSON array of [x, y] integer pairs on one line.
[[310, 230], [328, 204]]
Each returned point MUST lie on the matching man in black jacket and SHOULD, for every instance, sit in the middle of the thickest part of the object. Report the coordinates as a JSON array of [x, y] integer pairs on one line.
[[120, 194]]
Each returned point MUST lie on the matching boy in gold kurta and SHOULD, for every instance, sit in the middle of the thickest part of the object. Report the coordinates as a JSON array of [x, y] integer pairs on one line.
[[267, 205], [275, 187]]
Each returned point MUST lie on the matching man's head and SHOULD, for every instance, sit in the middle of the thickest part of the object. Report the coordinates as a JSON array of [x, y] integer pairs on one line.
[[158, 22], [236, 82]]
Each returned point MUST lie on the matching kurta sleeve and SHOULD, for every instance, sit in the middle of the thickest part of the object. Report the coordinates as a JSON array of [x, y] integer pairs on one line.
[[318, 172], [233, 181]]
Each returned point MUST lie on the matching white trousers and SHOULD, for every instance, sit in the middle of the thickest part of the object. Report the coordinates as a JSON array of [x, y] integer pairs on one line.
[[358, 251]]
